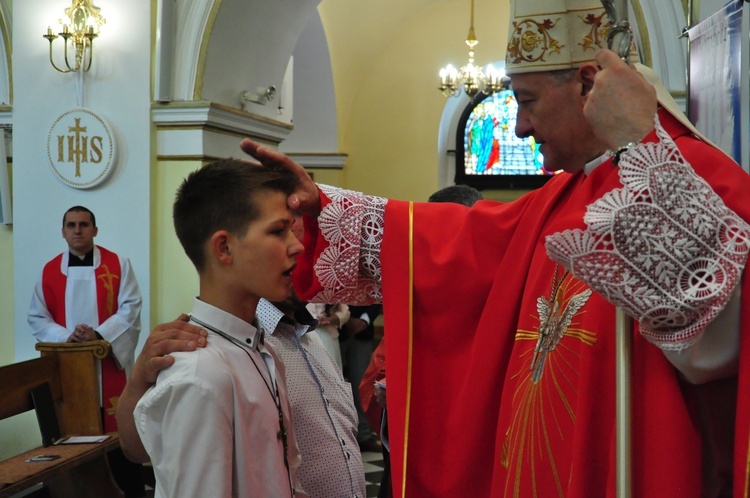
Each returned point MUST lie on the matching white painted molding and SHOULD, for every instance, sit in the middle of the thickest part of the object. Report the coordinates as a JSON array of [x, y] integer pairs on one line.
[[320, 160], [210, 131]]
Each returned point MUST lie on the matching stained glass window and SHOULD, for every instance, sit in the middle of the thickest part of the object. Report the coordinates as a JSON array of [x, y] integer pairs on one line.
[[491, 146]]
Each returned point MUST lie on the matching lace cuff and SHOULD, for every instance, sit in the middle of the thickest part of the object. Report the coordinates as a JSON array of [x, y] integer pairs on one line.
[[348, 269], [664, 247]]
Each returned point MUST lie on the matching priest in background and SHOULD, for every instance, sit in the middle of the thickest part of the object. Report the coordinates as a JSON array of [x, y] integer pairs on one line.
[[89, 293]]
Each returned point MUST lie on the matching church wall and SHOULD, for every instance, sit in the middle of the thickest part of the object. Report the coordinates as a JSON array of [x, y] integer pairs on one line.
[[390, 126], [314, 100], [175, 281]]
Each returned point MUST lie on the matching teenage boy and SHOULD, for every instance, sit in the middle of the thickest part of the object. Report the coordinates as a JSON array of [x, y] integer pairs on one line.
[[217, 423]]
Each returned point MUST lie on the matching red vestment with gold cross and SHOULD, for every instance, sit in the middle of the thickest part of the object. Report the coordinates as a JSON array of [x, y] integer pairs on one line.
[[107, 277]]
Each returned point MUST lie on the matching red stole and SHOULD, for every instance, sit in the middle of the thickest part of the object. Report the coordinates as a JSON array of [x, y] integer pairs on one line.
[[107, 276]]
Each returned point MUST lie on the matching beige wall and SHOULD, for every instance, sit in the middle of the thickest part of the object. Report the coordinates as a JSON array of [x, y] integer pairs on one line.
[[388, 105], [174, 281], [20, 432], [333, 177]]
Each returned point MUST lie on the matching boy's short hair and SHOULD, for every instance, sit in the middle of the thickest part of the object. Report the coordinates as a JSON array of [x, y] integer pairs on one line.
[[457, 194], [222, 196], [80, 209]]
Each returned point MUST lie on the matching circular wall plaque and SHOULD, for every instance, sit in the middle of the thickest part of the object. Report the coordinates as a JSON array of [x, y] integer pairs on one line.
[[81, 148]]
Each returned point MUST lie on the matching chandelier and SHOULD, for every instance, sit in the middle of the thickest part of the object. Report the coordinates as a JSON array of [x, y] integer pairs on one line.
[[471, 78]]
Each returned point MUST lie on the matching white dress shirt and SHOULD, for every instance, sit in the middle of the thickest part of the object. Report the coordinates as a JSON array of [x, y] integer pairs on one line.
[[210, 423], [329, 335], [322, 406]]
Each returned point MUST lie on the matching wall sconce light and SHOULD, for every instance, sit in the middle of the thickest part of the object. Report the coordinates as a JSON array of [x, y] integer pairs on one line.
[[261, 95], [79, 29]]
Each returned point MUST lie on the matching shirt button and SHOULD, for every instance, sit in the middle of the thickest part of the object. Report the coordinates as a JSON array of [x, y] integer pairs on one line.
[[249, 341], [348, 455], [343, 443]]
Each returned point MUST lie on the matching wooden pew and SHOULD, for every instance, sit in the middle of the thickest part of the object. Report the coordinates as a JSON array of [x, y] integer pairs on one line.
[[82, 469]]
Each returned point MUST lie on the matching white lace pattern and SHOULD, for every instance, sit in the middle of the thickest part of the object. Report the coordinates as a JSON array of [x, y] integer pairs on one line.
[[664, 247], [349, 268]]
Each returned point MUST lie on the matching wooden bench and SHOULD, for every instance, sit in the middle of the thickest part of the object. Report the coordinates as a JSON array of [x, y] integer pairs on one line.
[[82, 469]]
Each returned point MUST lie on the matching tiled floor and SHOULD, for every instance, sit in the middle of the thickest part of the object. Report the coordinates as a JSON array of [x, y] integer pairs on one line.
[[373, 472]]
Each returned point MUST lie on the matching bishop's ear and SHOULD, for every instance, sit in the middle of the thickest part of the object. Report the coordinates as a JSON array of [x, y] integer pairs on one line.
[[587, 75]]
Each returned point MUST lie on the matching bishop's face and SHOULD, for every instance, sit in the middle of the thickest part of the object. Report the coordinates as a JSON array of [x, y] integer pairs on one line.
[[551, 111], [79, 232]]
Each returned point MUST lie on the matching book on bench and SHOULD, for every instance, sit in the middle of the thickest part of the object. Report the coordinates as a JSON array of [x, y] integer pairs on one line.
[[44, 406]]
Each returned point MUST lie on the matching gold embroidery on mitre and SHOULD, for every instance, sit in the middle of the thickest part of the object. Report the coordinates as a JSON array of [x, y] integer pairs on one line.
[[597, 36], [531, 40]]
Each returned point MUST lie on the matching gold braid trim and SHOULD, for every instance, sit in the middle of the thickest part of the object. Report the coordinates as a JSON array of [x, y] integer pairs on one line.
[[410, 346]]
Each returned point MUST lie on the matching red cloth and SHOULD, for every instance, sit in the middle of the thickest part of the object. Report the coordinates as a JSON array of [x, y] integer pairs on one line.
[[375, 372], [464, 416], [108, 275]]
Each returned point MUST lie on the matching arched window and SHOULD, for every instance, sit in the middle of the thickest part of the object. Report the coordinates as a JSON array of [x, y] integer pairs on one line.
[[488, 152]]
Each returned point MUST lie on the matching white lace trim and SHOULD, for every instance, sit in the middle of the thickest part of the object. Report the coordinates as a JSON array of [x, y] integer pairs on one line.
[[664, 247], [349, 268]]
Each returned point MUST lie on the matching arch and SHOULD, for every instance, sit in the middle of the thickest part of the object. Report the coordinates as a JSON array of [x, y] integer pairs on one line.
[[6, 74], [660, 25], [191, 22]]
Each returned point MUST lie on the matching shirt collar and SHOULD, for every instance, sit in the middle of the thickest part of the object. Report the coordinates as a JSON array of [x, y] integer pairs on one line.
[[271, 318], [86, 260], [225, 322]]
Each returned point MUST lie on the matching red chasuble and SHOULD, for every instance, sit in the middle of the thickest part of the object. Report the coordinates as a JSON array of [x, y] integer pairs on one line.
[[473, 408], [107, 289]]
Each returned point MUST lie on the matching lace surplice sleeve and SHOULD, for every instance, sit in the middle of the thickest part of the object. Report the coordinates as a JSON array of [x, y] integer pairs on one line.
[[347, 237], [665, 247]]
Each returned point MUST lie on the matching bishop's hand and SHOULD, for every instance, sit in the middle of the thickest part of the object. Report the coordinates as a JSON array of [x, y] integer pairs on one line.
[[621, 104], [305, 198]]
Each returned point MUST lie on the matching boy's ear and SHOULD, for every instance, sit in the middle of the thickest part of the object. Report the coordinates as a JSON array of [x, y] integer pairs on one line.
[[219, 247]]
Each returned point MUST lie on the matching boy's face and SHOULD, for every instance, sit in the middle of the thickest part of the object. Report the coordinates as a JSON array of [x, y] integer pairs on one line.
[[265, 256]]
